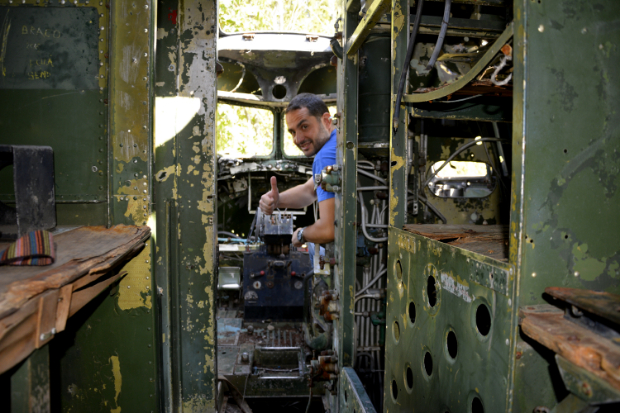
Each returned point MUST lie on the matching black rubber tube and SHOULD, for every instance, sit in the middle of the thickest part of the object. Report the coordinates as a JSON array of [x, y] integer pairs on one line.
[[442, 35], [403, 73]]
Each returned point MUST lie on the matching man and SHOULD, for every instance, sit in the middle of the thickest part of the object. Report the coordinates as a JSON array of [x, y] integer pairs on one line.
[[309, 122]]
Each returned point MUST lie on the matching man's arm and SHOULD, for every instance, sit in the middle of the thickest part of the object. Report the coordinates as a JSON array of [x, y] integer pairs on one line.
[[299, 196], [322, 231]]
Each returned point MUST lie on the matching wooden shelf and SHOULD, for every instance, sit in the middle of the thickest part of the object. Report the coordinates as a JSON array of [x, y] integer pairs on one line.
[[35, 302], [488, 240]]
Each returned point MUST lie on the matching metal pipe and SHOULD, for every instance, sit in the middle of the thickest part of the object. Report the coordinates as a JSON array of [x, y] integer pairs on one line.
[[374, 280], [372, 188], [373, 176]]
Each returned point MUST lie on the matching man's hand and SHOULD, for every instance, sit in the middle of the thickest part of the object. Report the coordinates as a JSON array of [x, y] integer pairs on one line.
[[269, 201], [295, 239]]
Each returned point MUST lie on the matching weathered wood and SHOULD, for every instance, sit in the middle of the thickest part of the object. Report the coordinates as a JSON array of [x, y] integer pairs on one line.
[[36, 302], [603, 304], [547, 325], [80, 251], [80, 298], [489, 240]]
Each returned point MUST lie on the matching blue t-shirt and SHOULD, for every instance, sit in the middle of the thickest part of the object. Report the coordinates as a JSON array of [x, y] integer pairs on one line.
[[325, 157]]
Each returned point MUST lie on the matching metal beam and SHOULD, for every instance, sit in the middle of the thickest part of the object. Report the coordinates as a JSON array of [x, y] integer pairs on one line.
[[469, 76], [373, 15]]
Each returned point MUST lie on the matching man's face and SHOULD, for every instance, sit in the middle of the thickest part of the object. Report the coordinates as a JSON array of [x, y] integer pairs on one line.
[[309, 133]]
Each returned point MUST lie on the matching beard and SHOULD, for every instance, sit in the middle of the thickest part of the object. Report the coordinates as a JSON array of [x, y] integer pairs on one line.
[[319, 141]]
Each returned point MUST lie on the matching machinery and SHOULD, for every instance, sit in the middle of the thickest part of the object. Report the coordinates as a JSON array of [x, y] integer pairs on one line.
[[476, 260]]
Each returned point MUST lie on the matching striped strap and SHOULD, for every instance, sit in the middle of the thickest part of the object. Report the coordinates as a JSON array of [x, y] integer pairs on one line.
[[34, 248]]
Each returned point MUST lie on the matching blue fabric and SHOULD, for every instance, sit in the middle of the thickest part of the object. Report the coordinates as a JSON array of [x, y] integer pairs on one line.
[[325, 157]]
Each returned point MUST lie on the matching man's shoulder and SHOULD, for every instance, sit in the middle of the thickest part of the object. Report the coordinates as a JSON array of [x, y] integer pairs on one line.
[[329, 149]]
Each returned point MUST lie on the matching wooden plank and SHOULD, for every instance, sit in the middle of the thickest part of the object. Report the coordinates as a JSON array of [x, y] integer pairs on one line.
[[441, 232], [17, 335], [46, 317], [601, 303], [64, 304], [547, 325], [78, 252], [489, 240], [81, 297]]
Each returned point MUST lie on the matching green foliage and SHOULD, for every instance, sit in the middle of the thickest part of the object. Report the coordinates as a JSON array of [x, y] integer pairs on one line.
[[306, 16], [243, 132], [246, 132]]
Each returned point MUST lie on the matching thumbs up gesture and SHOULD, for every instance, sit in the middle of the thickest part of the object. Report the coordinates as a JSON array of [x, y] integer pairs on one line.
[[269, 201]]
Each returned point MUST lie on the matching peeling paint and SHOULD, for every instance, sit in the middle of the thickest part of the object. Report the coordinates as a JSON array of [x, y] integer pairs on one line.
[[456, 287], [135, 288], [118, 381]]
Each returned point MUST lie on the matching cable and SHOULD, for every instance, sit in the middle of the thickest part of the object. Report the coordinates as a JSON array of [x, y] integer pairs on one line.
[[496, 72], [458, 150], [309, 400], [456, 101], [403, 73], [442, 35]]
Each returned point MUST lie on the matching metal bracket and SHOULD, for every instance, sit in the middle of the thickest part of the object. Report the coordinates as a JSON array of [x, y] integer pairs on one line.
[[33, 182]]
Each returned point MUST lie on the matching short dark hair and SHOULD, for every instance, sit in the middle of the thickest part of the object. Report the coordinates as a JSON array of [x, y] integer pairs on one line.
[[315, 105]]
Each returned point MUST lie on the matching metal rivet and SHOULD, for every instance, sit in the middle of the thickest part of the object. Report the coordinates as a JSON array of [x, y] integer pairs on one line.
[[541, 28], [533, 274], [576, 273], [507, 342], [135, 161], [509, 302], [94, 168], [129, 286], [146, 30], [584, 30]]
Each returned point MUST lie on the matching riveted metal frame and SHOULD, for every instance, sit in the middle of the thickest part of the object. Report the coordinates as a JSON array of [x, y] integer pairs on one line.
[[346, 200], [82, 168], [353, 397], [186, 176], [398, 140]]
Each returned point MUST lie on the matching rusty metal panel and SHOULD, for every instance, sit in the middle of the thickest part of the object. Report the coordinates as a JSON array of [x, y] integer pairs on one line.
[[185, 181], [448, 336]]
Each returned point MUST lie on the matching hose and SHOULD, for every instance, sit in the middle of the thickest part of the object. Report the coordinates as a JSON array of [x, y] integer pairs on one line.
[[403, 73], [442, 35]]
